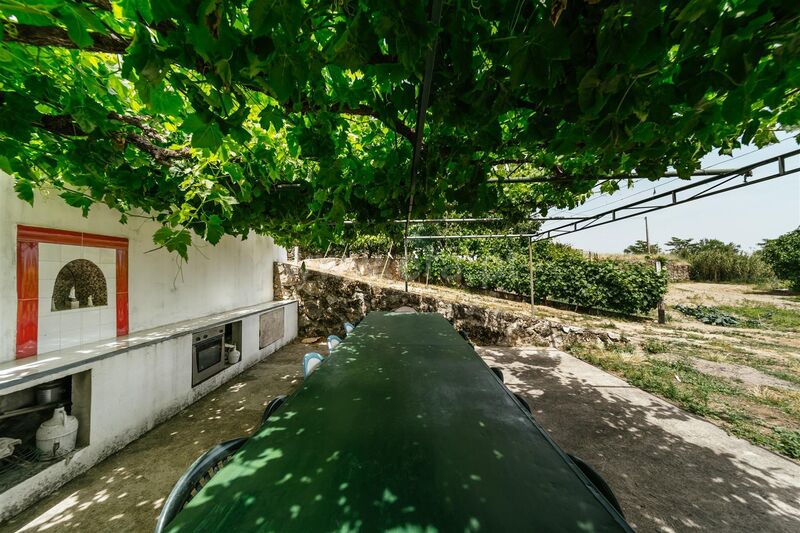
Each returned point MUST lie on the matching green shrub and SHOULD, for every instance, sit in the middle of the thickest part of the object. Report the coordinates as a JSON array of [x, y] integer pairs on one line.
[[783, 255], [654, 346], [717, 261], [719, 265], [566, 277]]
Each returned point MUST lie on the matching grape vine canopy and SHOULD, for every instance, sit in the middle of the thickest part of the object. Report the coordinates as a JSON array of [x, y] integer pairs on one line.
[[287, 117]]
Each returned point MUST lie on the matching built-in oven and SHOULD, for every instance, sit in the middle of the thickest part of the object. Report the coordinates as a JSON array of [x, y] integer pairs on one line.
[[208, 353]]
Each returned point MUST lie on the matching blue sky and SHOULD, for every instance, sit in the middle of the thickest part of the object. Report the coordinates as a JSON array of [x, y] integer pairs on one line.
[[745, 216]]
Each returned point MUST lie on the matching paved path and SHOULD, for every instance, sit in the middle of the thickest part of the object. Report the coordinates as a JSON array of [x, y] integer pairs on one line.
[[670, 470], [126, 491]]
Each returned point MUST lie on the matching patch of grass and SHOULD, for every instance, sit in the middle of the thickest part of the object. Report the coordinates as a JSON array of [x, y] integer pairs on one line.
[[675, 380], [654, 346], [791, 377], [765, 316], [737, 409], [780, 439], [621, 348]]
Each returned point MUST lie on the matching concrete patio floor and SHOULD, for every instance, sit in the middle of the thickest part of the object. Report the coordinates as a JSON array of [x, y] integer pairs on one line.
[[670, 470]]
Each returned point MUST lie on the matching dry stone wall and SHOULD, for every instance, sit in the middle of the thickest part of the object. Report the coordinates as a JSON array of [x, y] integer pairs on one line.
[[326, 301]]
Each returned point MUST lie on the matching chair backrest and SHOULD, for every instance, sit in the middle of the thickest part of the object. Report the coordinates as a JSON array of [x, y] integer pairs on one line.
[[498, 373], [195, 478], [598, 481], [465, 337], [272, 406], [523, 402], [405, 309], [333, 342], [310, 362], [348, 328]]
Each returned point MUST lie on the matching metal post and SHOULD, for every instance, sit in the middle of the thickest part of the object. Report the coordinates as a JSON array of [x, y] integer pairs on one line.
[[647, 235], [388, 256], [405, 261], [662, 310], [328, 249], [530, 271], [296, 255]]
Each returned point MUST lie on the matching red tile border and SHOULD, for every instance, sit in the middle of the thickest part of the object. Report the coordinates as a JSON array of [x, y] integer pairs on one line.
[[27, 327], [48, 235], [122, 271], [27, 270], [28, 239], [60, 236], [122, 314], [104, 241], [27, 298], [122, 292]]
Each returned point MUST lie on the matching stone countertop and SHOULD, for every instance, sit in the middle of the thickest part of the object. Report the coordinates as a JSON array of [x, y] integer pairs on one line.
[[13, 373]]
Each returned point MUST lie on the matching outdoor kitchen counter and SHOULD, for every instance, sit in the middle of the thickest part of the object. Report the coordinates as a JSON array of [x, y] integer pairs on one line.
[[44, 366], [402, 427]]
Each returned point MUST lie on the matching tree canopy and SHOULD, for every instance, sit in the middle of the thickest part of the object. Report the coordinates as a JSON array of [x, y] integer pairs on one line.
[[288, 117]]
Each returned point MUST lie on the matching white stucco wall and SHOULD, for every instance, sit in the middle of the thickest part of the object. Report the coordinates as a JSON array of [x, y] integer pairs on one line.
[[232, 274], [133, 391], [141, 385]]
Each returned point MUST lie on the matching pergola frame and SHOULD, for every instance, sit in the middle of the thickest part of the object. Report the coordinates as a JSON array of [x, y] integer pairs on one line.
[[710, 186]]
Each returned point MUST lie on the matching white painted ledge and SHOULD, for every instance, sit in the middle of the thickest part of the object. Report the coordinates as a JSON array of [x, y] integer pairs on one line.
[[19, 371]]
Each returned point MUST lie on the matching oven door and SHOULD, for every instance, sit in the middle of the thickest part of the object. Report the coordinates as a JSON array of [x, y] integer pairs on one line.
[[208, 358]]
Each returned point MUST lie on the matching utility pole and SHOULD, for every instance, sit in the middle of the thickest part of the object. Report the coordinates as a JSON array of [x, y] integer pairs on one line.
[[647, 235]]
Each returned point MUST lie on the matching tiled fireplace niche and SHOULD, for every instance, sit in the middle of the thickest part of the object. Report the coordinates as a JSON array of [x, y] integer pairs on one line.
[[53, 266]]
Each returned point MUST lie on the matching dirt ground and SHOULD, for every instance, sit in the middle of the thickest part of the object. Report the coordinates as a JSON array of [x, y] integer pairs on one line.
[[670, 470], [727, 294]]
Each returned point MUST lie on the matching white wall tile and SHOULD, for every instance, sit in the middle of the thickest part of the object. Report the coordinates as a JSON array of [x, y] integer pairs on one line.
[[48, 344], [48, 270], [46, 287], [108, 256], [49, 325], [70, 253], [70, 337], [49, 252], [91, 334], [92, 254], [90, 318], [44, 307], [108, 315], [108, 330], [70, 322], [109, 270]]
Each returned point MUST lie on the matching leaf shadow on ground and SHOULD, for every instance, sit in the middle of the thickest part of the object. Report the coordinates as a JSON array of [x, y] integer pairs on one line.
[[664, 481]]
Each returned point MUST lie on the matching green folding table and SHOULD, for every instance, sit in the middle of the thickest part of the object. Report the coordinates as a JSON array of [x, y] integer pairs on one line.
[[402, 428]]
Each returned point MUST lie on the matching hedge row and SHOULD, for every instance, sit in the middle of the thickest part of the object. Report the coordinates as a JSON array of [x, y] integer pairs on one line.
[[602, 284]]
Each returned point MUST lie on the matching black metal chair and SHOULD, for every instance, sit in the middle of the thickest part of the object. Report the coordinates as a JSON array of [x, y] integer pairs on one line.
[[598, 482], [195, 478], [498, 373], [523, 401], [272, 406]]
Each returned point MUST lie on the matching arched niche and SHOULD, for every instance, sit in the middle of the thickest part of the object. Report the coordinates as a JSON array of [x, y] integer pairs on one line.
[[88, 282]]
